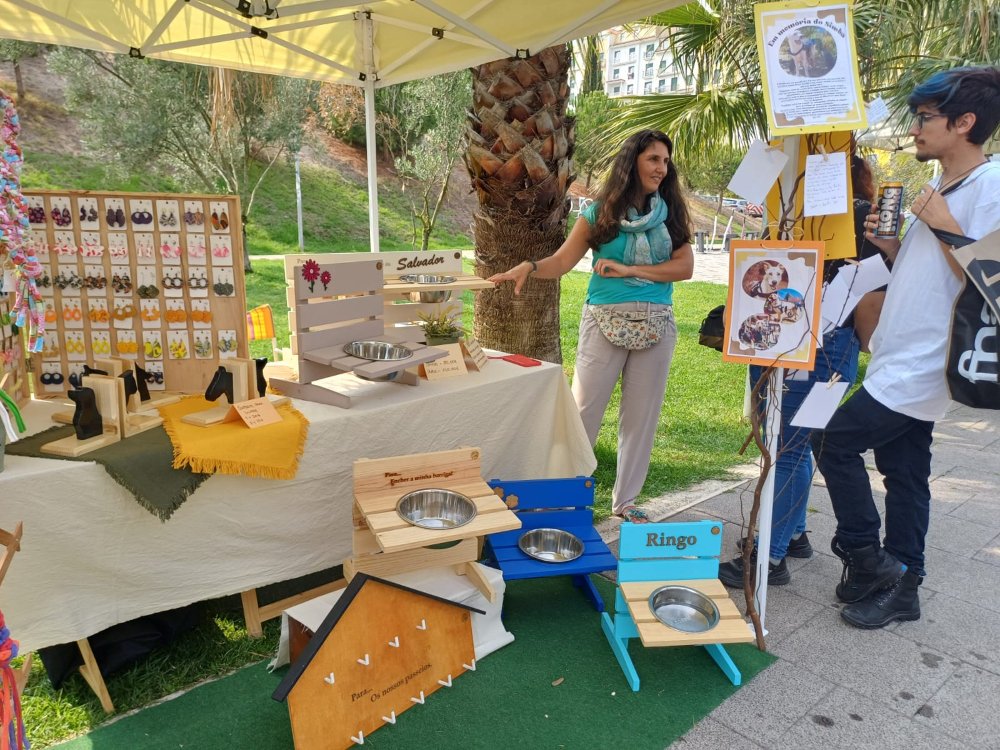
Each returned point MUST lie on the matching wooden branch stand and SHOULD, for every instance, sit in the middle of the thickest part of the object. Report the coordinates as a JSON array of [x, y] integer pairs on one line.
[[11, 543], [385, 544], [326, 316]]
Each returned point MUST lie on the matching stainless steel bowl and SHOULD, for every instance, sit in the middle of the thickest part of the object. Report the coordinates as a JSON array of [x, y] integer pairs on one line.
[[377, 351], [441, 295], [434, 508], [550, 545], [684, 609], [426, 278]]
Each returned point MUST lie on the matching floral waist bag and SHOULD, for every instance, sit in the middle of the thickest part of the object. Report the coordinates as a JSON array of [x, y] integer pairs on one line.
[[631, 329]]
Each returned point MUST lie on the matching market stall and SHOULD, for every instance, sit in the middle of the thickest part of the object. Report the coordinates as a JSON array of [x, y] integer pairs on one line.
[[93, 557]]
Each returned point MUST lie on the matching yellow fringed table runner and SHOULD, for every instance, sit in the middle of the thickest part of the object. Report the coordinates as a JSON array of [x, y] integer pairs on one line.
[[268, 452]]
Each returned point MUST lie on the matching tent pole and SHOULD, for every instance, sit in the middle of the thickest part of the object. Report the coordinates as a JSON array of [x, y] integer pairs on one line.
[[372, 164], [298, 199]]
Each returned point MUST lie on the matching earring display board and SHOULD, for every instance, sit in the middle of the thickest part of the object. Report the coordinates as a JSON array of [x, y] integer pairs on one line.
[[13, 369], [155, 279]]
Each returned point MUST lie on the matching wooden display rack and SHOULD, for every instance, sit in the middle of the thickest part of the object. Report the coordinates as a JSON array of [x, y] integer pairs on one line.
[[399, 309], [244, 372], [119, 421], [96, 314], [385, 544], [326, 316]]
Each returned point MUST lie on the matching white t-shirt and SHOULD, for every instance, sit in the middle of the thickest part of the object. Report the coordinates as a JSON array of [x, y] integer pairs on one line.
[[910, 344]]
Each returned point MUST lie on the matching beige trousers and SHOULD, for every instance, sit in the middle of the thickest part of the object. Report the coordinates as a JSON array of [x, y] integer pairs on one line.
[[599, 363]]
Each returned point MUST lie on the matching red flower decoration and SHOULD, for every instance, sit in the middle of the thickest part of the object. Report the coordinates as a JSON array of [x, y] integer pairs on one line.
[[324, 279], [310, 272]]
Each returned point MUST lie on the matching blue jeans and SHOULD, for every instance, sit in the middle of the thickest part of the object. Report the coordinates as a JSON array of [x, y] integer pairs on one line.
[[793, 469], [902, 448]]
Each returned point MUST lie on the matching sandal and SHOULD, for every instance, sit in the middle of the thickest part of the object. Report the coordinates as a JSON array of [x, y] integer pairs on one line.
[[632, 514]]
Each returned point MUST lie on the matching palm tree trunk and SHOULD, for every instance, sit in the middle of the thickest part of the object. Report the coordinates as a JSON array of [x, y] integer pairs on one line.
[[520, 144]]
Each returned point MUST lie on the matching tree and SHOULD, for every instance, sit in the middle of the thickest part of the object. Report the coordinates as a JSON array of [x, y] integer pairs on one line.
[[709, 171], [13, 51], [520, 144], [593, 76], [426, 162], [593, 111], [899, 42], [216, 129]]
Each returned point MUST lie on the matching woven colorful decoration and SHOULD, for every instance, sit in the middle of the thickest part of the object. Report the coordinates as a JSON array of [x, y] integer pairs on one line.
[[28, 306], [260, 323], [11, 726]]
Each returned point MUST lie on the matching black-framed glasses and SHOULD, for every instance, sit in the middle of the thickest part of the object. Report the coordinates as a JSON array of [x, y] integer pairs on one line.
[[920, 118]]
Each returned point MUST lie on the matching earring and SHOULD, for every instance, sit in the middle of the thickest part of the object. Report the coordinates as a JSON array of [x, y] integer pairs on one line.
[[224, 220], [215, 221], [46, 378]]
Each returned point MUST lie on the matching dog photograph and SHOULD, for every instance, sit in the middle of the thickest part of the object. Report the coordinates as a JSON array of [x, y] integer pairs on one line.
[[765, 278], [808, 52]]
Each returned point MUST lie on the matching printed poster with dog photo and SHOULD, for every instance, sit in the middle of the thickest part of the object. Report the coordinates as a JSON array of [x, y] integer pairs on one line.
[[809, 66], [773, 310]]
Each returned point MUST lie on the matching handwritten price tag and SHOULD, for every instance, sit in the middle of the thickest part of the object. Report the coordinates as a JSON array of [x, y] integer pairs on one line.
[[476, 353], [256, 412], [448, 366]]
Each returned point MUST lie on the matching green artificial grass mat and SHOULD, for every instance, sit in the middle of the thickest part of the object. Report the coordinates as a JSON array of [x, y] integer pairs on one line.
[[510, 699]]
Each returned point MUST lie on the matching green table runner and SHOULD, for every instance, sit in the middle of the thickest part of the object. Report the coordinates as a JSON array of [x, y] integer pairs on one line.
[[142, 465]]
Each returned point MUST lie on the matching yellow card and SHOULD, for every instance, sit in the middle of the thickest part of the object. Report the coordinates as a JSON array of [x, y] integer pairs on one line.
[[448, 366], [256, 412]]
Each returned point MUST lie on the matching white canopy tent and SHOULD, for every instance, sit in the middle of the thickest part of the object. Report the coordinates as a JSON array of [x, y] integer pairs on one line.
[[373, 44]]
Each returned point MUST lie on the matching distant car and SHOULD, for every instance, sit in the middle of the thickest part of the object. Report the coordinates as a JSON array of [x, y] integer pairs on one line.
[[754, 209]]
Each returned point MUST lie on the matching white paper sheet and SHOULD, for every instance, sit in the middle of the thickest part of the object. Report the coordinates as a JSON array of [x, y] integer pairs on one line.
[[819, 405], [851, 283], [826, 184], [877, 111], [758, 172]]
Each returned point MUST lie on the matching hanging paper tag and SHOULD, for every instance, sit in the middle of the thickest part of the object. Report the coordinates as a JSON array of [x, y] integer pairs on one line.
[[7, 282]]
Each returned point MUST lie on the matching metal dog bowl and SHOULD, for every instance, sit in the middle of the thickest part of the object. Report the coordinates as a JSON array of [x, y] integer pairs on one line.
[[377, 351], [426, 278], [436, 509], [550, 545], [441, 295], [684, 609]]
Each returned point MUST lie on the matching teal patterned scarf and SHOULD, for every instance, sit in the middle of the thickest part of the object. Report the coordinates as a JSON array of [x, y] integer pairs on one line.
[[647, 241]]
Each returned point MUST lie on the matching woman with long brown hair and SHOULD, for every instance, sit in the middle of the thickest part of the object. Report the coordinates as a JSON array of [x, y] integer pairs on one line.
[[639, 230]]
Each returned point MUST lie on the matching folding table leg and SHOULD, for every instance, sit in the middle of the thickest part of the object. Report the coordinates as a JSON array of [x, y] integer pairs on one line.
[[92, 674], [584, 582], [718, 652], [619, 646]]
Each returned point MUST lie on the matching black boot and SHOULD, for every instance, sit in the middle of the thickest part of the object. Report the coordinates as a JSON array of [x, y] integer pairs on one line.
[[261, 380], [222, 383], [898, 602], [866, 569], [142, 383], [86, 419], [731, 573]]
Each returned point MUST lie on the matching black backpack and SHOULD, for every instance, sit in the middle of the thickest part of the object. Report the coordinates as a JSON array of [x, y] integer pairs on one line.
[[713, 328]]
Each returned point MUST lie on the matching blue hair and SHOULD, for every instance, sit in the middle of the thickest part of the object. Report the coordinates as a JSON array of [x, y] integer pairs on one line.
[[960, 90]]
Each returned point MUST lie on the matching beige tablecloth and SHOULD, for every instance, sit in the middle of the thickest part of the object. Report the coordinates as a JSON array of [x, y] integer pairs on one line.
[[91, 557]]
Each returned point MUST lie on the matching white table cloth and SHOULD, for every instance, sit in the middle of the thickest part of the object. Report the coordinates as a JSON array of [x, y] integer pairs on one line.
[[92, 557]]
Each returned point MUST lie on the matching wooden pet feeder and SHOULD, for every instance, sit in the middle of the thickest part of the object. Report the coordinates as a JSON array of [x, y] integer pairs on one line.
[[332, 305], [385, 544]]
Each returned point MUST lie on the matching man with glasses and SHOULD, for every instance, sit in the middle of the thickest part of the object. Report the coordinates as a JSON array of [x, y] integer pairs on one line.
[[904, 392]]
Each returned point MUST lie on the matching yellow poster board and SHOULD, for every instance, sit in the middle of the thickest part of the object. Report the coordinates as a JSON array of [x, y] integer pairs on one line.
[[809, 66], [836, 231]]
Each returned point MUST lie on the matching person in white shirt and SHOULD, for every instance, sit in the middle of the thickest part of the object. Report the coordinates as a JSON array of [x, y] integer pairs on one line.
[[904, 391]]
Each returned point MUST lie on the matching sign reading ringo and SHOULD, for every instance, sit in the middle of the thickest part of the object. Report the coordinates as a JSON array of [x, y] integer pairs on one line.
[[773, 309]]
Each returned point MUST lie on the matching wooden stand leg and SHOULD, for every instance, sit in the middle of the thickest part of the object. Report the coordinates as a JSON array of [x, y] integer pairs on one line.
[[255, 615], [619, 646], [21, 675], [92, 674], [724, 660], [251, 613], [583, 582], [476, 577]]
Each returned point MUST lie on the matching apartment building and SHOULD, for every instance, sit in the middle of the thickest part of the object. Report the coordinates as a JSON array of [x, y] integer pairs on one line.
[[637, 61]]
